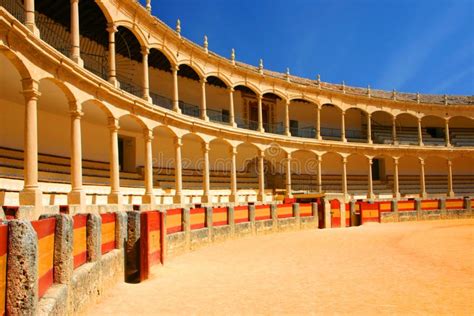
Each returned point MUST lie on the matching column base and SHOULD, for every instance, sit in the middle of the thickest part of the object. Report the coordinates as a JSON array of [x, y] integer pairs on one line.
[[234, 198], [206, 198], [423, 195], [114, 198], [178, 199], [451, 194], [262, 197], [148, 199], [76, 198], [78, 60], [33, 28], [31, 196], [233, 124], [205, 118], [114, 82], [396, 196], [147, 98], [261, 130]]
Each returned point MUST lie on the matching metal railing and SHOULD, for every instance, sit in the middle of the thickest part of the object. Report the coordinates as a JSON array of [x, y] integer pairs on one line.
[[217, 116], [245, 123], [274, 128], [162, 101], [189, 109]]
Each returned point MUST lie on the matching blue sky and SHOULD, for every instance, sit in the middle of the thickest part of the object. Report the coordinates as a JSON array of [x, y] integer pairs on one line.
[[407, 45]]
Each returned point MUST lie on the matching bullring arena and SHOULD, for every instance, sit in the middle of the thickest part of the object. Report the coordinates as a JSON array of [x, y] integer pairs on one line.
[[124, 146]]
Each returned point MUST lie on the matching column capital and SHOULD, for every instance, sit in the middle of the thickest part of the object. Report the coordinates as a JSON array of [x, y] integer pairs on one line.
[[369, 115], [288, 156], [259, 97], [205, 147], [178, 142], [76, 114], [343, 112], [395, 160], [74, 1], [320, 158], [175, 68], [371, 160], [145, 50], [233, 151], [203, 80], [450, 162], [422, 161], [148, 135], [231, 89], [287, 101], [30, 88], [344, 160], [112, 28], [261, 153], [113, 124]]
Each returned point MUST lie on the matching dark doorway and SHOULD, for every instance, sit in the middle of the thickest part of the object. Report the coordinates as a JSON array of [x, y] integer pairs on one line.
[[376, 169]]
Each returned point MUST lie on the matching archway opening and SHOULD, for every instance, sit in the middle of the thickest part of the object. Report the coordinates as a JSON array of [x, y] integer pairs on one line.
[[302, 115]]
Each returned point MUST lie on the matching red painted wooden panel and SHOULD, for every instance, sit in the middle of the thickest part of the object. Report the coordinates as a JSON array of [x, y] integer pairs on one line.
[[45, 230]]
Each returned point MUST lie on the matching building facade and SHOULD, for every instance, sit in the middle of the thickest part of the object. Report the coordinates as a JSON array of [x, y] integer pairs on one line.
[[103, 104]]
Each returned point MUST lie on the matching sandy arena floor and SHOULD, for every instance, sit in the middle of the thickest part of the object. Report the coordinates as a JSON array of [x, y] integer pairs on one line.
[[402, 268]]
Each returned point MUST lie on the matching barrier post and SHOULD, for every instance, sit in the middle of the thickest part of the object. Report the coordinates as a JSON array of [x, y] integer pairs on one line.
[[296, 214], [22, 292], [252, 218], [394, 206], [121, 230], [274, 216], [419, 215], [467, 205], [209, 221], [164, 244], [342, 211], [231, 218], [187, 227], [94, 237], [132, 247], [352, 210], [442, 208], [314, 209], [327, 213], [63, 248]]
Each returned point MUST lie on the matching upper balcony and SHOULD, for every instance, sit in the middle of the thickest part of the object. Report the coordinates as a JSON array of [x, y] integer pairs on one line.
[[186, 78]]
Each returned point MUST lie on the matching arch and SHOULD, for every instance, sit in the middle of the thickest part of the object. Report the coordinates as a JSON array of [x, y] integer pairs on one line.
[[304, 98], [331, 125], [157, 59], [355, 123], [104, 108], [333, 104], [247, 85], [222, 77], [136, 119], [189, 68], [276, 92], [128, 44], [193, 135], [136, 31], [165, 51], [17, 63], [331, 171], [164, 129], [67, 92], [304, 162], [105, 11]]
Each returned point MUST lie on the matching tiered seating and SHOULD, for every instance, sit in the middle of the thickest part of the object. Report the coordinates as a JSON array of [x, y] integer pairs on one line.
[[56, 169], [405, 136], [462, 137], [192, 179], [435, 184]]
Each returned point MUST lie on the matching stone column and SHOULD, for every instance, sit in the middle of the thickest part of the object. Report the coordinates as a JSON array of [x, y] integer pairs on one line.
[[176, 108], [318, 123], [422, 178], [261, 177], [114, 196], [369, 128], [233, 176], [343, 126], [396, 185], [320, 176], [31, 194], [231, 108], [287, 118], [394, 130], [288, 176], [420, 133], [446, 132], [344, 175], [146, 78], [450, 179], [178, 174], [203, 110], [370, 193], [77, 195], [75, 35], [30, 16], [112, 29], [206, 198], [148, 197], [260, 114]]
